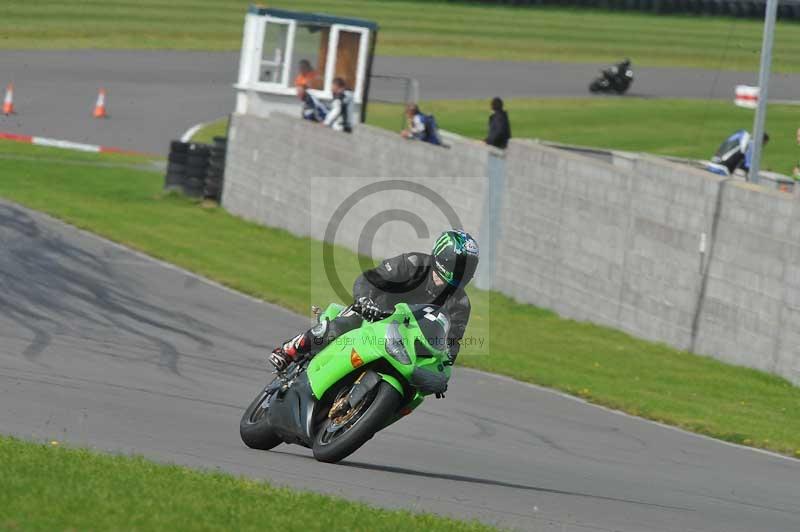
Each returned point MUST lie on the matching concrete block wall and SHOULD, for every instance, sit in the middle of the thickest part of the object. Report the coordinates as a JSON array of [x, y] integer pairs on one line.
[[655, 248], [293, 174], [750, 311], [601, 243]]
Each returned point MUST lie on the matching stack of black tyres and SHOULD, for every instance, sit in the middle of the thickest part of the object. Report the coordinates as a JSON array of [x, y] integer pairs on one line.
[[176, 166], [196, 167], [216, 169], [186, 168]]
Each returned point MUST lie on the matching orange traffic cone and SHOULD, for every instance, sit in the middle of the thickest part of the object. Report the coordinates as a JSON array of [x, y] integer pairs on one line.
[[100, 106], [8, 102]]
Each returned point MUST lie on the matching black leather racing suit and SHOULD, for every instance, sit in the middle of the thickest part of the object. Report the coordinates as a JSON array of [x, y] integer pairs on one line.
[[401, 279]]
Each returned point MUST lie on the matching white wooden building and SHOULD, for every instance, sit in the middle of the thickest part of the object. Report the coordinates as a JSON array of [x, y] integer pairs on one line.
[[276, 41]]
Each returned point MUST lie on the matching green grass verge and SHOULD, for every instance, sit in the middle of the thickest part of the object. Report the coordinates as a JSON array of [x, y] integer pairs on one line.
[[444, 29], [682, 128], [600, 364], [49, 487], [206, 134]]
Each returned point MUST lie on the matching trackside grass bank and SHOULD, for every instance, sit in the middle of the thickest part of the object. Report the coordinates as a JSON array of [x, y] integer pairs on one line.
[[600, 364], [48, 487], [421, 28], [682, 128]]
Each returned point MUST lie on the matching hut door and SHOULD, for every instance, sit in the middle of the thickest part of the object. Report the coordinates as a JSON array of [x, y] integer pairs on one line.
[[347, 57]]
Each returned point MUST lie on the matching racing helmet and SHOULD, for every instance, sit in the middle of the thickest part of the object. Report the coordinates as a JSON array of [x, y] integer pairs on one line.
[[455, 257]]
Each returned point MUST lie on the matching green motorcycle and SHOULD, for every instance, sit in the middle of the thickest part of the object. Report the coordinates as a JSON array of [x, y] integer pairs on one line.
[[362, 382]]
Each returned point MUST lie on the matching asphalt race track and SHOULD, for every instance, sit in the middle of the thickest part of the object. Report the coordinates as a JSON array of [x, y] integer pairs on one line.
[[153, 97], [103, 347]]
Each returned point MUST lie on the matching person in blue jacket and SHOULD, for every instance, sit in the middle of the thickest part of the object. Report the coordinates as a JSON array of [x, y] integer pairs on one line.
[[421, 126], [735, 152]]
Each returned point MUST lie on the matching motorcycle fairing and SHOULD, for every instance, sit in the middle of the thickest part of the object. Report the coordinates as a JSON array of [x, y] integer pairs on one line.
[[291, 412]]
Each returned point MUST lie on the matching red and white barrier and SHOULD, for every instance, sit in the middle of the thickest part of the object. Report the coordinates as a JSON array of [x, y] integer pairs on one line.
[[65, 144], [746, 96]]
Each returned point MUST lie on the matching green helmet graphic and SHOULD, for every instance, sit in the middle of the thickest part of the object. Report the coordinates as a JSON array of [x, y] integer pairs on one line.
[[455, 257]]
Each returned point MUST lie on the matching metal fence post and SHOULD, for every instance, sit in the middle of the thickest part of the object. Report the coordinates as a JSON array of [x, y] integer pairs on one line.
[[763, 87], [491, 220]]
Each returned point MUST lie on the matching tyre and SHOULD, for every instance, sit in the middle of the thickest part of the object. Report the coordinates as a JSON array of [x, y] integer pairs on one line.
[[596, 86], [179, 158], [337, 438], [196, 160], [196, 172], [254, 428], [201, 150], [177, 146], [176, 168], [173, 181], [193, 187]]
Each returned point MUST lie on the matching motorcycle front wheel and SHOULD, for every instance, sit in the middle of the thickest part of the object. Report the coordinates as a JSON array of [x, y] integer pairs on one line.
[[254, 428], [343, 434]]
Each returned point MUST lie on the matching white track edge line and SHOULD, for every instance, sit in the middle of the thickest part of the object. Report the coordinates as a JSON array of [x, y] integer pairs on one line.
[[65, 144], [189, 133]]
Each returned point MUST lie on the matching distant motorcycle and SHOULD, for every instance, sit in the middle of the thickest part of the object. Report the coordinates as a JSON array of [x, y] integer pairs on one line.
[[617, 79]]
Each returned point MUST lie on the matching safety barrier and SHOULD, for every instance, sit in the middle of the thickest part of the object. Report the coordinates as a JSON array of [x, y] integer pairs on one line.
[[195, 169], [734, 8]]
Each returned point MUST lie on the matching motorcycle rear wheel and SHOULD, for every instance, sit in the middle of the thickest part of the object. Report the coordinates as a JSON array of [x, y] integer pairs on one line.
[[254, 428], [335, 441]]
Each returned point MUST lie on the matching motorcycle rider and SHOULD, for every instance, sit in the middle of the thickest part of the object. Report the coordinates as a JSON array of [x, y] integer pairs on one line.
[[620, 69], [413, 278], [618, 75]]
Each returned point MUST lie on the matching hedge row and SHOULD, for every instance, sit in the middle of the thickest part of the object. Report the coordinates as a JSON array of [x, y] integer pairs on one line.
[[736, 8]]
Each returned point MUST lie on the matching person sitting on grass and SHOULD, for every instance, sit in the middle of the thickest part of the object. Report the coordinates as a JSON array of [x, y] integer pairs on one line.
[[796, 170], [312, 109], [421, 126], [734, 153]]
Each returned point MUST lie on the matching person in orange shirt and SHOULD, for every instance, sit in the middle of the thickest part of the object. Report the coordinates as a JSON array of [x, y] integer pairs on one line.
[[307, 77]]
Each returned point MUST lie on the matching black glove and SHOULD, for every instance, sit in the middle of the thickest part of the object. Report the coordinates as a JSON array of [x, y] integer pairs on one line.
[[370, 311]]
